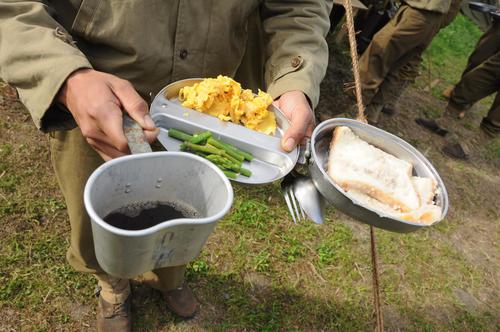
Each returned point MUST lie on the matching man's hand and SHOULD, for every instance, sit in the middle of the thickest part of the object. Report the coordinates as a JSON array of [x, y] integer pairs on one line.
[[297, 109], [97, 100]]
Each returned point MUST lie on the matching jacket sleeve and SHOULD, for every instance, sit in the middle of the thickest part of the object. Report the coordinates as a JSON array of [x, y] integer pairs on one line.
[[36, 57], [296, 49]]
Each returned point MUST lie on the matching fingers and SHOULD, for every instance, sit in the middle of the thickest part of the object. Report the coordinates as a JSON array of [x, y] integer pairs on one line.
[[132, 103], [300, 126], [151, 135], [295, 105], [109, 121], [106, 151]]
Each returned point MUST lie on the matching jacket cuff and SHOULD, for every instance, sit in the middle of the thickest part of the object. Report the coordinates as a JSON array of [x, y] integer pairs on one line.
[[291, 83], [40, 101], [295, 73]]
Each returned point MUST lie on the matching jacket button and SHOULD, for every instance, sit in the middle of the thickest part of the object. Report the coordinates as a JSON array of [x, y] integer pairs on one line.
[[295, 62], [183, 54]]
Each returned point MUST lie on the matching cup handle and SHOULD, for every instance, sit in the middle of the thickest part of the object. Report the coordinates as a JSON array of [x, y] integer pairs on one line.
[[135, 136]]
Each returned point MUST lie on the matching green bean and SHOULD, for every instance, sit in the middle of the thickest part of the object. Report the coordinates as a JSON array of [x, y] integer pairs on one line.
[[174, 133], [201, 137], [220, 145], [245, 172], [201, 148]]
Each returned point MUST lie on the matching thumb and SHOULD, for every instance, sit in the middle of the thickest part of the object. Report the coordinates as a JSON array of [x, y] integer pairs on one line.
[[295, 134], [133, 104]]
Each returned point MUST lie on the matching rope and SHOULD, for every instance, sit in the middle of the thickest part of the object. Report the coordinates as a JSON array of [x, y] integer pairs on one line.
[[354, 58], [379, 324]]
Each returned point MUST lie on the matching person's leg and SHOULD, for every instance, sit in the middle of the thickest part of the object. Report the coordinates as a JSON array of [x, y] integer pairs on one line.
[[410, 31], [113, 312], [478, 83], [73, 161], [399, 79], [396, 83], [487, 46], [491, 123], [177, 294], [165, 279]]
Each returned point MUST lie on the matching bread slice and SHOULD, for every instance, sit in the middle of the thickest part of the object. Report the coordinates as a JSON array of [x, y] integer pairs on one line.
[[426, 189], [356, 165], [427, 214]]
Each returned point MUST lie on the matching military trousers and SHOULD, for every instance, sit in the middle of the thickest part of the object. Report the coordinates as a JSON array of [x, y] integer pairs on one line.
[[395, 53], [73, 161], [397, 81], [476, 84], [488, 45], [481, 78]]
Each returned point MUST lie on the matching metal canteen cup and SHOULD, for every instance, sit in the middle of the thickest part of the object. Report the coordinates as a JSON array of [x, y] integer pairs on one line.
[[155, 176]]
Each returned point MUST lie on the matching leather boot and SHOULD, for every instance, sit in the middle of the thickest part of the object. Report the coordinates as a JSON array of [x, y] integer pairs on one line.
[[432, 126], [181, 301], [455, 150], [114, 317]]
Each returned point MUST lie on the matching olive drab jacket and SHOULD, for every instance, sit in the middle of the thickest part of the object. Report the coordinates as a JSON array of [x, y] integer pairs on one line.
[[154, 42], [439, 6]]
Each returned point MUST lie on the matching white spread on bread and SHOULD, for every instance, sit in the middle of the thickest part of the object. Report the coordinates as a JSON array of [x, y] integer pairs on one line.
[[379, 180]]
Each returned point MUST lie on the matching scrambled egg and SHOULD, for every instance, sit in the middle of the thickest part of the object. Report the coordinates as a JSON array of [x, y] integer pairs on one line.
[[224, 98]]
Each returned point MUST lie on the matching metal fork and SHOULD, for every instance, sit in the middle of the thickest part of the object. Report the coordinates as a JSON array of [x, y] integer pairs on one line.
[[287, 186]]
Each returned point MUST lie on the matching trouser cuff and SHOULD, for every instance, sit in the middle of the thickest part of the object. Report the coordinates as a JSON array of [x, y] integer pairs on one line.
[[113, 290], [164, 279]]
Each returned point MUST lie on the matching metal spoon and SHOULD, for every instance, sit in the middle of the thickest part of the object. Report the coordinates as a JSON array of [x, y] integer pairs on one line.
[[309, 198]]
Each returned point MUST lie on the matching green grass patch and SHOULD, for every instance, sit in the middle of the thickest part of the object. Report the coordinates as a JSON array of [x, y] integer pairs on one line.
[[492, 150]]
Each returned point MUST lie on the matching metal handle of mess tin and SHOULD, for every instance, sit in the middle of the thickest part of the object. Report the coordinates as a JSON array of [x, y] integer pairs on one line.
[[135, 136], [305, 153]]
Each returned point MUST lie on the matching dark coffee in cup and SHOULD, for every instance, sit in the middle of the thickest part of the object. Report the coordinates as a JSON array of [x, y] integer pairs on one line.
[[143, 215]]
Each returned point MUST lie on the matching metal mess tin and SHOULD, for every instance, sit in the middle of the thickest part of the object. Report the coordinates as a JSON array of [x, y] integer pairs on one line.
[[320, 146], [270, 163]]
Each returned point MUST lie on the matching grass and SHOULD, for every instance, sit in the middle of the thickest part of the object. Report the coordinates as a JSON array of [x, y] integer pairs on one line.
[[259, 271], [493, 149]]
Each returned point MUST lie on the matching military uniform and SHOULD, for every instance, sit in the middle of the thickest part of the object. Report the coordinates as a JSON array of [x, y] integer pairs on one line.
[[394, 54], [150, 43], [481, 78]]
